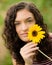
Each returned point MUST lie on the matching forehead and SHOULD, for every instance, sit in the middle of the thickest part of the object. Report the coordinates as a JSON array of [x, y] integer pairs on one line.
[[23, 14]]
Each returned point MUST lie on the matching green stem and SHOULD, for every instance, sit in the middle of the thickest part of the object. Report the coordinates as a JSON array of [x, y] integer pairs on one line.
[[45, 55]]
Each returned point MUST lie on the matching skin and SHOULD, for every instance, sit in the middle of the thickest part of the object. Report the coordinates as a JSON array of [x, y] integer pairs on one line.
[[25, 19]]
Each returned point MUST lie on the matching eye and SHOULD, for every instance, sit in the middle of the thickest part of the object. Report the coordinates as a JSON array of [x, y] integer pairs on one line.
[[17, 23], [29, 20]]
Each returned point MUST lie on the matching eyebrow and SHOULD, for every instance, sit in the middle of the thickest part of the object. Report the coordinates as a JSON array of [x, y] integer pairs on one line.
[[29, 18], [25, 19]]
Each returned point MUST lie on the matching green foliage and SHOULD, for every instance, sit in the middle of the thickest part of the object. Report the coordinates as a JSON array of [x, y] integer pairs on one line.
[[7, 60], [1, 20]]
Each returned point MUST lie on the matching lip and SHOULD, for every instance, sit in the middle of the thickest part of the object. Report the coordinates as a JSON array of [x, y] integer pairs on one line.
[[24, 34]]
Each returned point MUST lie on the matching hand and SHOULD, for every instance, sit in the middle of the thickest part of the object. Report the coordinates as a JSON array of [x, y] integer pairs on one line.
[[28, 51]]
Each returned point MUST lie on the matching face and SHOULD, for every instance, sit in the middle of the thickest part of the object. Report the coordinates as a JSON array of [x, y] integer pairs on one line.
[[24, 19]]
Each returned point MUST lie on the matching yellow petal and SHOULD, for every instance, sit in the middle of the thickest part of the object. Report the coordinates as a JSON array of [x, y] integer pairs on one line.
[[40, 34]]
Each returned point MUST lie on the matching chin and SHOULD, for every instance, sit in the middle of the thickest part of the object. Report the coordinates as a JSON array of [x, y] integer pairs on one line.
[[25, 40]]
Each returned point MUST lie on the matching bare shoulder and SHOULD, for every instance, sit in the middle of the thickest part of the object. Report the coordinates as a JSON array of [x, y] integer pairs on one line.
[[50, 37], [13, 61], [50, 34]]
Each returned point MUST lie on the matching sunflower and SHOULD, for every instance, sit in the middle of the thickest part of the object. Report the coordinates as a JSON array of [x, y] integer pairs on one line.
[[35, 33]]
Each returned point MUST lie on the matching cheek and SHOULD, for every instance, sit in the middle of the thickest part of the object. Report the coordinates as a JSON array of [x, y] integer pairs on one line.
[[31, 25]]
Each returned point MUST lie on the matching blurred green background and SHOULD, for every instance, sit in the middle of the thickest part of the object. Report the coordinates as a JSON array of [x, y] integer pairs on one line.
[[45, 7]]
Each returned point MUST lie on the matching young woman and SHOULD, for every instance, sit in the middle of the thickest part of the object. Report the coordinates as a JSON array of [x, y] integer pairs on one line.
[[19, 18]]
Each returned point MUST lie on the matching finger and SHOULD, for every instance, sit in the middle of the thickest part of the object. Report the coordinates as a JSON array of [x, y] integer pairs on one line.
[[33, 50], [26, 48], [29, 44]]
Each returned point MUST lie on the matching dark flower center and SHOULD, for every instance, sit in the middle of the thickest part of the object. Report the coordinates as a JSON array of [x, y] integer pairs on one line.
[[34, 33]]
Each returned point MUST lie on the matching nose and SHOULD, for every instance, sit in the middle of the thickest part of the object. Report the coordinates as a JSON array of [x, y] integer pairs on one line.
[[24, 27]]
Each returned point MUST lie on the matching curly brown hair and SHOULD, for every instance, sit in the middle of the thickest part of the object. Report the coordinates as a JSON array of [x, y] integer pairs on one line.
[[13, 43]]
